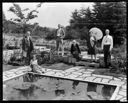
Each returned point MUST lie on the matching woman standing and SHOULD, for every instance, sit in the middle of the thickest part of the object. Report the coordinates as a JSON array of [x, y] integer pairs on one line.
[[92, 47]]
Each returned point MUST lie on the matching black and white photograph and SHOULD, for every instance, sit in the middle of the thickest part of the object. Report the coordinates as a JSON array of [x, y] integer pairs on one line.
[[64, 51]]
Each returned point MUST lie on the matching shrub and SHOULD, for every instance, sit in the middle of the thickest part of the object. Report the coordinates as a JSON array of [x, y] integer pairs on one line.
[[119, 63]]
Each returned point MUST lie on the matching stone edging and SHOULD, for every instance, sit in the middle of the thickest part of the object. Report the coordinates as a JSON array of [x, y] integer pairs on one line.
[[76, 73]]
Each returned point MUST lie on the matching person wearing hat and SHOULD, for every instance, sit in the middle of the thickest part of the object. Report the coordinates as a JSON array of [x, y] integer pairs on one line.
[[59, 40], [107, 45], [75, 50], [27, 47]]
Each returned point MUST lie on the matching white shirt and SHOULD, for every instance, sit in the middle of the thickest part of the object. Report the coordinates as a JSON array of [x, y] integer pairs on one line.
[[107, 40]]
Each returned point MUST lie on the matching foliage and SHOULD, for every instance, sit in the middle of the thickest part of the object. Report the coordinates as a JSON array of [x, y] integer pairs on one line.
[[119, 64], [105, 15], [21, 19]]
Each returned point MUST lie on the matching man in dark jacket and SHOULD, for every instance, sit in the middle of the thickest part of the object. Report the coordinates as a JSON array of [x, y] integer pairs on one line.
[[27, 47], [75, 50]]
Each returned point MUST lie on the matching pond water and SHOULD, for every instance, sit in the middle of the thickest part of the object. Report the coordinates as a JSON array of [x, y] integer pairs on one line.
[[34, 87]]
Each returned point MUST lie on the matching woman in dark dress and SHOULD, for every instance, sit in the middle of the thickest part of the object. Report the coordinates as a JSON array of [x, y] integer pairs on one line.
[[92, 47], [75, 50]]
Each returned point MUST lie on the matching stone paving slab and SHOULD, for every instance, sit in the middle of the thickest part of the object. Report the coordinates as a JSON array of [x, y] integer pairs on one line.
[[85, 75], [81, 70], [47, 70], [67, 73], [118, 97], [19, 72], [124, 86], [104, 80], [123, 99], [50, 72], [56, 70], [71, 76], [89, 78], [103, 76], [87, 72], [123, 93], [59, 75], [98, 80], [74, 68], [74, 73], [12, 77], [116, 82], [91, 70], [117, 79]]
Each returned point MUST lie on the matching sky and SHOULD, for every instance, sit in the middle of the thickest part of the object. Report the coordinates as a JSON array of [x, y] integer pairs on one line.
[[50, 14]]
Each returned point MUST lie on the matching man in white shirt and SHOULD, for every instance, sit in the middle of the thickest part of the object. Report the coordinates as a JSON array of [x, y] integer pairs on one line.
[[107, 45], [59, 40]]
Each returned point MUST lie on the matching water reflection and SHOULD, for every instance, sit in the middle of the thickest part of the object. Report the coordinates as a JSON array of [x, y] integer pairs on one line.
[[34, 87]]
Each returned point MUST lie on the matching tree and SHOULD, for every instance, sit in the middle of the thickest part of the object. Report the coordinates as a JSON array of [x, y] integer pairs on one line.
[[111, 15], [104, 15], [21, 20]]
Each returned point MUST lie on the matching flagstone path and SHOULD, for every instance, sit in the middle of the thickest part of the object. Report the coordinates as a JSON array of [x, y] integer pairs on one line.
[[78, 73]]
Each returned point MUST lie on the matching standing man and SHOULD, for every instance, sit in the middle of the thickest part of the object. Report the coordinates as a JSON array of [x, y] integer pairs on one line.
[[59, 40], [107, 45], [27, 47]]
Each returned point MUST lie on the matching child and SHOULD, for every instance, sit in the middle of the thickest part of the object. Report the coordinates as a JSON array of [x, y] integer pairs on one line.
[[34, 65]]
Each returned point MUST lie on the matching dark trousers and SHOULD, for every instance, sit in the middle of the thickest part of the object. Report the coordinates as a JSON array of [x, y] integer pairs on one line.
[[28, 57], [107, 55], [58, 42]]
